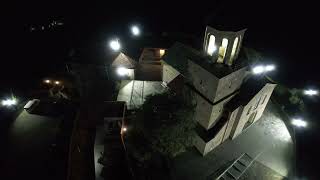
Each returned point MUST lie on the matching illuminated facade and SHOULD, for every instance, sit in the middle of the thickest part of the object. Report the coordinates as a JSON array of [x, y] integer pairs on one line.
[[222, 46], [216, 76]]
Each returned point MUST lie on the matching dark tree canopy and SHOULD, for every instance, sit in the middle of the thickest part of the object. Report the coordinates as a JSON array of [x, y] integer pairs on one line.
[[166, 122]]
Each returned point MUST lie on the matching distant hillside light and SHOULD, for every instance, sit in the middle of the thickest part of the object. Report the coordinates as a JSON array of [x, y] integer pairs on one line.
[[310, 92], [135, 30], [258, 69], [298, 122], [115, 45]]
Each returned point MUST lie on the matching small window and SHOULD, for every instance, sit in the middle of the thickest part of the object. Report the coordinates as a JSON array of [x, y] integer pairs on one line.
[[264, 99], [230, 84], [234, 48], [200, 82], [211, 46], [222, 50], [257, 104], [249, 110]]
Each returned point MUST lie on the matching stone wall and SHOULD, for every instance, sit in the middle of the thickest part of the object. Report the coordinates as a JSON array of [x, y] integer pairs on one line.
[[216, 141], [206, 113], [217, 111], [203, 111], [203, 81], [229, 84], [254, 108], [233, 116]]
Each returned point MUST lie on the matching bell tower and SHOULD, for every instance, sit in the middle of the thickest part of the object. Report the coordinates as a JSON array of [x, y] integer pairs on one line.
[[222, 46]]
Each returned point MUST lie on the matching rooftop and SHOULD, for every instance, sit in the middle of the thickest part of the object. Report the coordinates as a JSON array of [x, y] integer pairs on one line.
[[124, 61], [247, 91]]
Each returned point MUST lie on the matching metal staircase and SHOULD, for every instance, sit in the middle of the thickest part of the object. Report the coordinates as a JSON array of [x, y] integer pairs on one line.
[[237, 168]]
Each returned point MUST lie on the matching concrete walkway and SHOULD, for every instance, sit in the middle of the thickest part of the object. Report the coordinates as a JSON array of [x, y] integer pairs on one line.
[[268, 137]]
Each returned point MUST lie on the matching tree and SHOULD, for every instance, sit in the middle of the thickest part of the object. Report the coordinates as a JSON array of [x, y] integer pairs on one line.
[[166, 122], [295, 99]]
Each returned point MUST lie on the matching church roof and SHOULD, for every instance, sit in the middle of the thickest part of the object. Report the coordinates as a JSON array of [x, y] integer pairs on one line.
[[247, 91], [178, 55], [124, 61]]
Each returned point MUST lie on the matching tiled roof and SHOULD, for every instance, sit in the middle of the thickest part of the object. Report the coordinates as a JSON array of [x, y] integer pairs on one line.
[[124, 61]]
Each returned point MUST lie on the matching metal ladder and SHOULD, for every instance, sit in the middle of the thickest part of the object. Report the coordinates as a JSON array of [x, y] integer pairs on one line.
[[237, 168]]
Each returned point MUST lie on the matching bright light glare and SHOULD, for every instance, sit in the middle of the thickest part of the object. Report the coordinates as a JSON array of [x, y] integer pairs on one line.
[[162, 51], [258, 69], [135, 30], [299, 122], [310, 92], [47, 81], [122, 71], [124, 129], [211, 49], [57, 82], [115, 45], [270, 67], [8, 102], [262, 69]]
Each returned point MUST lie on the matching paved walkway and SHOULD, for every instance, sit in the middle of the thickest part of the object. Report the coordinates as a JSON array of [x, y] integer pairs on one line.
[[29, 154], [268, 137]]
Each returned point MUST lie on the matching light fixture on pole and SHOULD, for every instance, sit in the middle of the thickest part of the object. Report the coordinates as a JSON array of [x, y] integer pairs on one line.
[[310, 92], [135, 30], [122, 71], [115, 45], [259, 69], [9, 102], [298, 122], [270, 67]]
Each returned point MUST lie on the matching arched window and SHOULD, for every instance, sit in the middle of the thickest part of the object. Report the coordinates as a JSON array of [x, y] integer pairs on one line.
[[211, 46], [222, 50], [234, 48]]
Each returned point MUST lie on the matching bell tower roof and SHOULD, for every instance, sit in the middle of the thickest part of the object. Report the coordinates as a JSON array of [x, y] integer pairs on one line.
[[222, 46]]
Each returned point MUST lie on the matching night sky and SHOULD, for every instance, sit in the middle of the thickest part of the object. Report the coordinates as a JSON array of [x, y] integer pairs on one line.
[[285, 33]]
